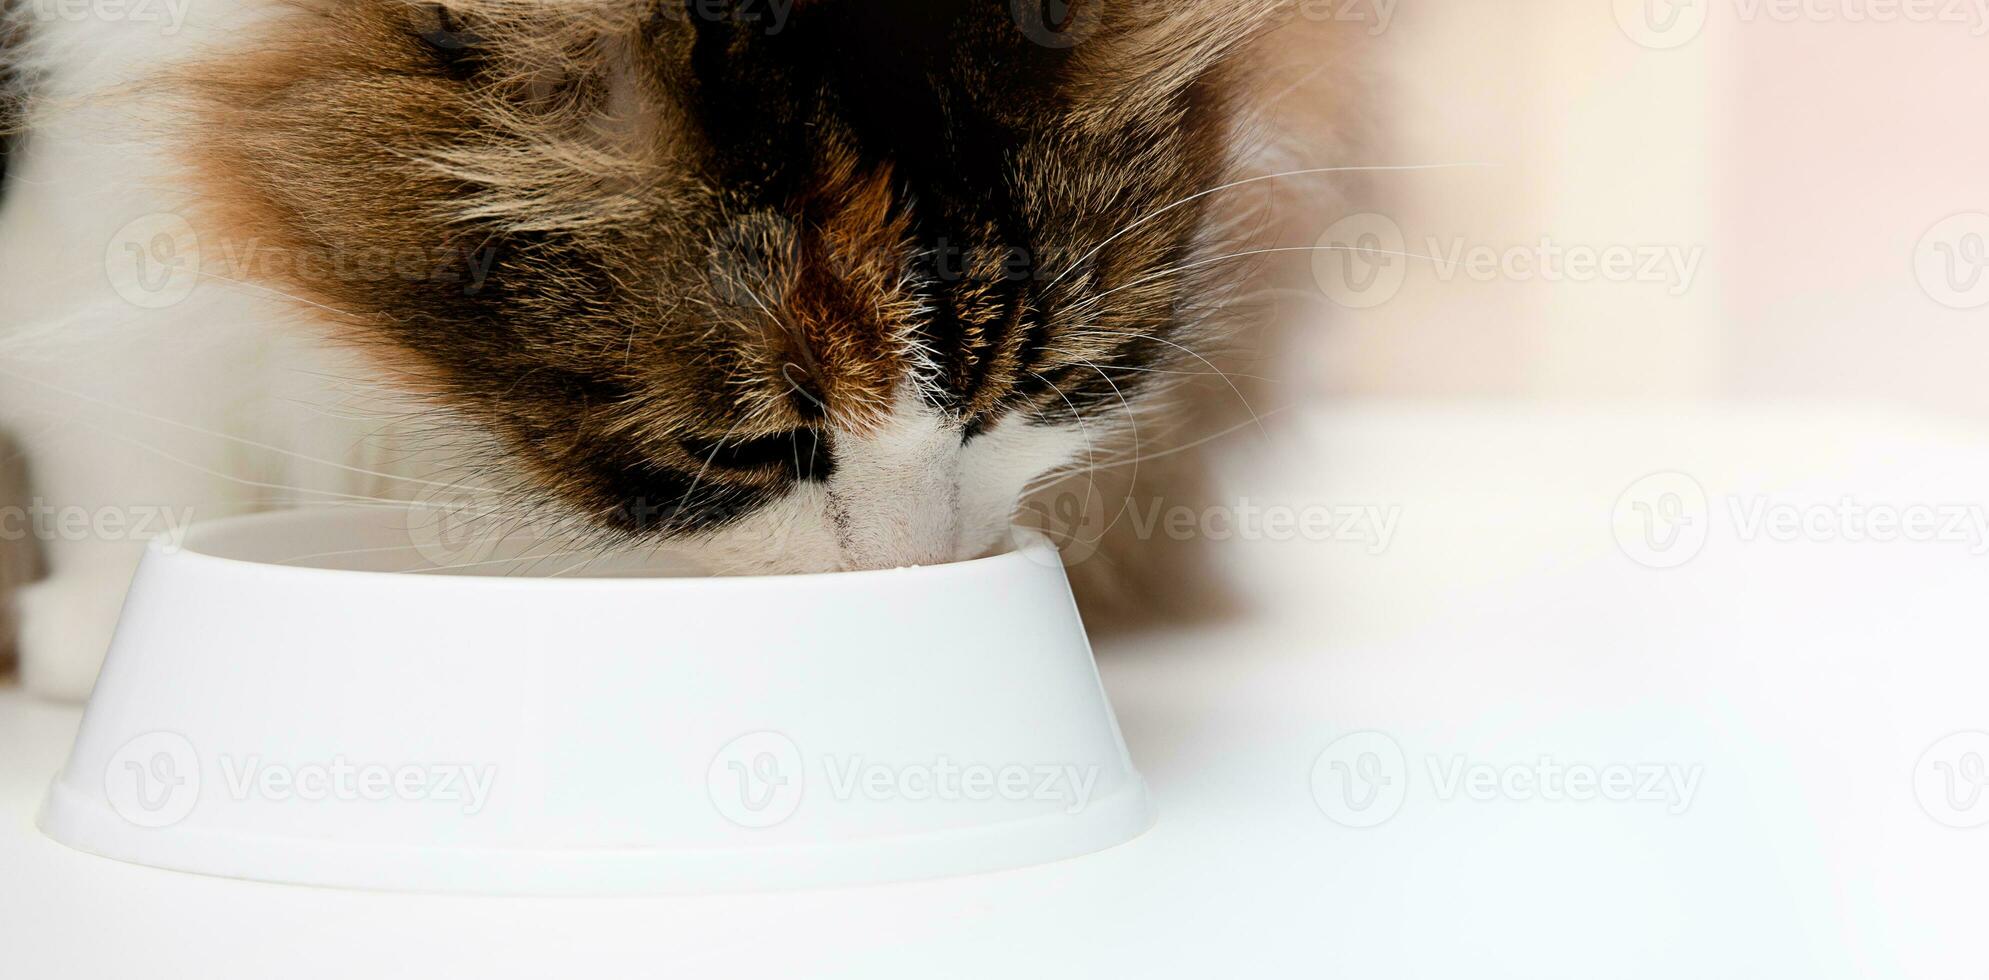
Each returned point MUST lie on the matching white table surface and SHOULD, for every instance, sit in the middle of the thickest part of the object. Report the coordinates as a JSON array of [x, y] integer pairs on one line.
[[1793, 687]]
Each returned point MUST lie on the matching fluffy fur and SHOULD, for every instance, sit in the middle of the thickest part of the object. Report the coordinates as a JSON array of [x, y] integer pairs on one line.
[[833, 292]]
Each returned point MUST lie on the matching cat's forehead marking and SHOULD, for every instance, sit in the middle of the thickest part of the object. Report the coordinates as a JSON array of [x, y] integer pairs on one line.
[[845, 317]]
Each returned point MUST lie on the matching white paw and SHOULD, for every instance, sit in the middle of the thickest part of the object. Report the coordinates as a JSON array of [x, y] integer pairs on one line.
[[65, 629]]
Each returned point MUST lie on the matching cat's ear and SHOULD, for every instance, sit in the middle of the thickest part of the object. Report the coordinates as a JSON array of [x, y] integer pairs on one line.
[[1137, 60]]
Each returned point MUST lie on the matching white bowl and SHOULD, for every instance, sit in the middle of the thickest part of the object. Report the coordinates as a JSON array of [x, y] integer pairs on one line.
[[289, 699]]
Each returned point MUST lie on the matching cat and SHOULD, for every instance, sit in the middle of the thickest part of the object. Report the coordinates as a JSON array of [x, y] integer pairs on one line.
[[792, 285]]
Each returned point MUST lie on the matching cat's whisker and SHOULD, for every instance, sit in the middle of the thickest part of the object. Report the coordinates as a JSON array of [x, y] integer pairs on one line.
[[594, 557], [699, 478], [237, 440], [1204, 440], [576, 566], [535, 562], [486, 563], [1083, 429], [787, 374], [1092, 302], [1133, 421], [1052, 477], [239, 481], [1260, 178], [1284, 292], [278, 293], [1312, 72], [1093, 463], [1128, 369], [346, 553], [1227, 379]]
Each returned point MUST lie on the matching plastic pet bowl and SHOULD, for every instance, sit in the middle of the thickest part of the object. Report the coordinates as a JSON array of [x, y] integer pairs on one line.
[[313, 697]]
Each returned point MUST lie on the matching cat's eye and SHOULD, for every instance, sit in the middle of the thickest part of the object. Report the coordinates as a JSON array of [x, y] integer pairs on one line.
[[803, 452]]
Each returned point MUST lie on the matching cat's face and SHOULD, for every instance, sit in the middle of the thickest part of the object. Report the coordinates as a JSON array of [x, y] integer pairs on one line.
[[814, 286]]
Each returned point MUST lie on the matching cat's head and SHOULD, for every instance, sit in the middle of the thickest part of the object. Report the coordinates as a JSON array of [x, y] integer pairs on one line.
[[814, 284]]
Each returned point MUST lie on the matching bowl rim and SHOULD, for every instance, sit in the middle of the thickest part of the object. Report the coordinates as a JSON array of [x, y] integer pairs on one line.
[[187, 550]]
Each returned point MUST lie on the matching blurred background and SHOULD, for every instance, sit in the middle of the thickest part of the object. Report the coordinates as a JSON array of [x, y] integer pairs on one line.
[[1757, 200]]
